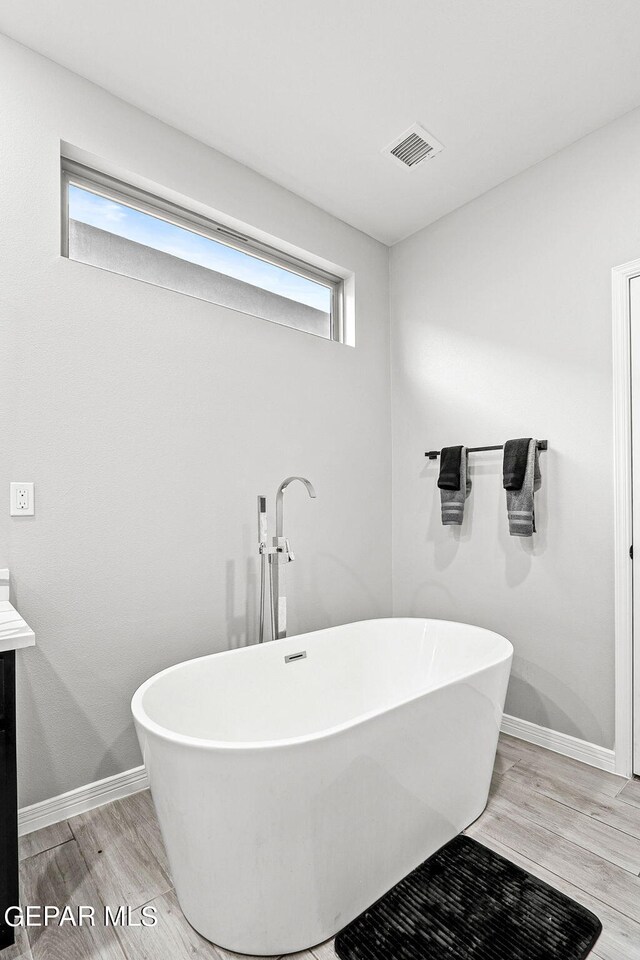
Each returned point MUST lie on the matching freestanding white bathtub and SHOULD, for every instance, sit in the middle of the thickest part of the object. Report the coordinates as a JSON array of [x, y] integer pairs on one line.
[[292, 793]]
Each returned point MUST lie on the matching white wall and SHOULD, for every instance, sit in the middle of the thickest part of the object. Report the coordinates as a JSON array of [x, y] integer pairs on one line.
[[150, 422], [501, 325]]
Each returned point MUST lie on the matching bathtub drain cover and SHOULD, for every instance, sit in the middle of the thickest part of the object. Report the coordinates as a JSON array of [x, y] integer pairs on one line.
[[468, 903]]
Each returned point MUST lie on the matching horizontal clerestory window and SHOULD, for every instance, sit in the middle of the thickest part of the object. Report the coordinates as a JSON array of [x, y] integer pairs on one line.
[[116, 226]]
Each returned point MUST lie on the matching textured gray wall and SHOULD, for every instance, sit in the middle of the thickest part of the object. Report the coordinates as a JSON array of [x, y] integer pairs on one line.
[[104, 249], [501, 318], [150, 421]]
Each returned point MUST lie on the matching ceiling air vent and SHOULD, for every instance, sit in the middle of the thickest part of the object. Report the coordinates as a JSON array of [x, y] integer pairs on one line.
[[413, 146]]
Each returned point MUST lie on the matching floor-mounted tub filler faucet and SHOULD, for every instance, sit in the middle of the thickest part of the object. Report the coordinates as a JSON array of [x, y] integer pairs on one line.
[[279, 552]]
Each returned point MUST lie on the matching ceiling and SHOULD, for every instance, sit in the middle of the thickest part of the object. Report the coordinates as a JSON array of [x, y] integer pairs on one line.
[[308, 92]]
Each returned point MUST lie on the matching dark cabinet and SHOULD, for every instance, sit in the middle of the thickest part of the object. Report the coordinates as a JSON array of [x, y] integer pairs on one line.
[[9, 893]]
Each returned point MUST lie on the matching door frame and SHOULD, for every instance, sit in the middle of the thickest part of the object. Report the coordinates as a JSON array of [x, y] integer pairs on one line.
[[621, 277]]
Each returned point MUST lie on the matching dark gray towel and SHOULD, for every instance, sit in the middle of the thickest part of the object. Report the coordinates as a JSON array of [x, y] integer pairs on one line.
[[449, 476], [514, 463], [520, 506], [452, 501]]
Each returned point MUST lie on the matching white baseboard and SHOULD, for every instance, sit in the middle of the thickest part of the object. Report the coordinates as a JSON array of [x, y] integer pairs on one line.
[[81, 799], [568, 746]]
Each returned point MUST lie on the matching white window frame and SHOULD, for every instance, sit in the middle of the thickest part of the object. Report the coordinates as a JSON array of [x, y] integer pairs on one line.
[[103, 185]]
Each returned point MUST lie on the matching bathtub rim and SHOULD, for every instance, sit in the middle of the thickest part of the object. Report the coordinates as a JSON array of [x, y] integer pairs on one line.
[[165, 733]]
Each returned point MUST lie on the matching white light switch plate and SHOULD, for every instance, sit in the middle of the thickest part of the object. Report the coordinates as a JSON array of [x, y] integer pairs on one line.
[[22, 503]]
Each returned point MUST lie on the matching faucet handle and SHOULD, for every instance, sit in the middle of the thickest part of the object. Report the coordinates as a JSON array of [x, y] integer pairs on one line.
[[283, 547]]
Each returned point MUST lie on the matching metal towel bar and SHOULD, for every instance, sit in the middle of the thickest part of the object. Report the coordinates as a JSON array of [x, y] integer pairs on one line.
[[434, 454]]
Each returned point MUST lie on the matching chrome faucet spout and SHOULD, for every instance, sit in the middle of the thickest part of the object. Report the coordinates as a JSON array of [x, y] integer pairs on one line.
[[281, 551], [280, 500]]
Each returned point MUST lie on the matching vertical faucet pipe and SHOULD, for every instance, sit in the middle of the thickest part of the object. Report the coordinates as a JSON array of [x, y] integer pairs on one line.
[[262, 543], [278, 600]]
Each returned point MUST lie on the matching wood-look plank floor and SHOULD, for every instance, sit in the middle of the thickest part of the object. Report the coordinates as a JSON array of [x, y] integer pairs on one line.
[[575, 827]]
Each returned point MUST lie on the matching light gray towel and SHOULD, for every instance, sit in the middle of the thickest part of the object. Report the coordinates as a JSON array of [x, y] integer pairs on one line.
[[520, 506], [452, 501]]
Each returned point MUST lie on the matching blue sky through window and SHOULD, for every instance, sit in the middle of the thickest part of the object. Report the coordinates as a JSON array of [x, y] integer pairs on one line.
[[143, 228]]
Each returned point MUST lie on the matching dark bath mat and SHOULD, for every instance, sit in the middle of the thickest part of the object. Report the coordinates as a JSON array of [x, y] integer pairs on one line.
[[467, 903]]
